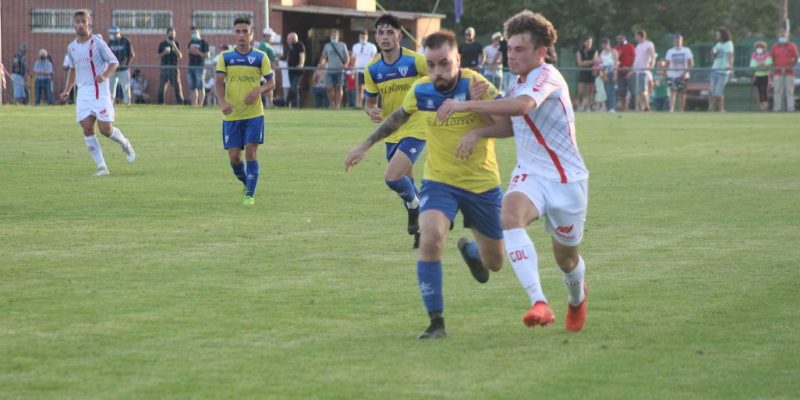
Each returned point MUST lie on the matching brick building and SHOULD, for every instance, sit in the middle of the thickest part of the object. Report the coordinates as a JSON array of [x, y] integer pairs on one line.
[[47, 24]]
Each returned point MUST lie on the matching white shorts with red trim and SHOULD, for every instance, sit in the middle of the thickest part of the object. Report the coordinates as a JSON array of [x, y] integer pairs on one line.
[[563, 204], [102, 108]]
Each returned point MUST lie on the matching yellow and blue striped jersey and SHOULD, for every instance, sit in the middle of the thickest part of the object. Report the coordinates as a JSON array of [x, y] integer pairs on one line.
[[479, 172], [243, 73], [392, 82]]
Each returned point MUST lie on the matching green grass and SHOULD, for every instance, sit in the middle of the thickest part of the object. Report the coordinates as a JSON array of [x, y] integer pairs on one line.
[[155, 282]]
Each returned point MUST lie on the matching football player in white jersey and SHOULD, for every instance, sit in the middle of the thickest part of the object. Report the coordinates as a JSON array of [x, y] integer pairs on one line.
[[551, 178], [91, 63]]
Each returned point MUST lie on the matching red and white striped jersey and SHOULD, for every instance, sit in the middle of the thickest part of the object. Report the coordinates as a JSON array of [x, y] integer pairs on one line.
[[545, 136], [89, 59]]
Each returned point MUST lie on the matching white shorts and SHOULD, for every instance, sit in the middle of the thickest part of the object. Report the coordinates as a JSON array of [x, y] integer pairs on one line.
[[564, 204], [102, 108]]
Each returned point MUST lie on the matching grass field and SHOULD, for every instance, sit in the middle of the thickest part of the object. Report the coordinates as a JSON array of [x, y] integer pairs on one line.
[[155, 282]]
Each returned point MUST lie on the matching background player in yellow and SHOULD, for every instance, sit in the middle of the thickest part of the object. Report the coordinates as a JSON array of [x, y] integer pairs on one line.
[[449, 183], [390, 76], [243, 74]]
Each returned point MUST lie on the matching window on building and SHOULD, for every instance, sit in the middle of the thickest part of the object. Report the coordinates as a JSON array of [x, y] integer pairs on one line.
[[52, 20], [142, 21], [218, 21]]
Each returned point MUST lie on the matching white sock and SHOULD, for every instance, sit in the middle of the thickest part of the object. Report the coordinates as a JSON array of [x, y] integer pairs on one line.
[[573, 281], [413, 204], [116, 135], [522, 254], [94, 149]]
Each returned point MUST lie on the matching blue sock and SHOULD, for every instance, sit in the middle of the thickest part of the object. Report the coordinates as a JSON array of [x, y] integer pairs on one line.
[[252, 177], [429, 276], [404, 188], [472, 250], [238, 170]]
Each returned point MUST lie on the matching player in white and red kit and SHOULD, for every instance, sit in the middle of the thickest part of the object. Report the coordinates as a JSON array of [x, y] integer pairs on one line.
[[550, 179], [91, 63]]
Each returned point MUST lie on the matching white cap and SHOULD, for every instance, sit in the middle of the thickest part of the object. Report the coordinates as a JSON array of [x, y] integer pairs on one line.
[[497, 35], [268, 31]]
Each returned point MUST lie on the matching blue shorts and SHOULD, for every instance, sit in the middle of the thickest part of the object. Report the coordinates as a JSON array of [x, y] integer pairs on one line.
[[412, 147], [481, 211], [334, 78], [196, 77], [244, 131], [718, 81]]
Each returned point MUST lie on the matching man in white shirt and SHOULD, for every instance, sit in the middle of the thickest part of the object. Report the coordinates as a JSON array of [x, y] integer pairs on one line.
[[679, 61], [493, 68], [643, 63], [364, 52], [550, 179], [91, 63]]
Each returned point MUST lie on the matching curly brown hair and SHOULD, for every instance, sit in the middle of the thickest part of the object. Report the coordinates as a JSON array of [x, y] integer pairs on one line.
[[540, 28]]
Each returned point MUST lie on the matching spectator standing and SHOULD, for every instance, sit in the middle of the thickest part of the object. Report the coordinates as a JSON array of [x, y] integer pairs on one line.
[[784, 56], [721, 69], [266, 47], [661, 91], [139, 87], [507, 81], [295, 60], [586, 56], [471, 52], [679, 61], [626, 53], [609, 62], [363, 53], [335, 57], [43, 69], [198, 54], [170, 52], [19, 74], [493, 67], [643, 63], [122, 49], [350, 84], [319, 88], [761, 61]]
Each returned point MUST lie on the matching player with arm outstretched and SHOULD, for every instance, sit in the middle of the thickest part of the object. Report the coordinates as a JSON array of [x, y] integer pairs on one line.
[[551, 178], [449, 184], [91, 63], [243, 75]]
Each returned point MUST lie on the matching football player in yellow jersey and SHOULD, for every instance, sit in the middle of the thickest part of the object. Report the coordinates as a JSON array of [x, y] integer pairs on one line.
[[390, 76], [450, 183], [243, 75]]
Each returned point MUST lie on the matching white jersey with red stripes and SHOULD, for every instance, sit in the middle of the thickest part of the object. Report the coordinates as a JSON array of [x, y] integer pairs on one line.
[[89, 59], [545, 136]]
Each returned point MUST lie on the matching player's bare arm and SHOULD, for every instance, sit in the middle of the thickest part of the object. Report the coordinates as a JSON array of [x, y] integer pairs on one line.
[[219, 91], [373, 111], [109, 71], [500, 128], [392, 123], [510, 107], [256, 93], [70, 83]]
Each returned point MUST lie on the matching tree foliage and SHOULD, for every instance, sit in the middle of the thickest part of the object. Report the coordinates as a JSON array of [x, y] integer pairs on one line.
[[695, 19]]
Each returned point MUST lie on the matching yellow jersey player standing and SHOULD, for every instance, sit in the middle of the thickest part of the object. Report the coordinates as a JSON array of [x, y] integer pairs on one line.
[[390, 76], [243, 75], [449, 184]]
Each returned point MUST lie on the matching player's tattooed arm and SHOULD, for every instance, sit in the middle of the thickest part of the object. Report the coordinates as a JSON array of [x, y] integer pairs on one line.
[[392, 123]]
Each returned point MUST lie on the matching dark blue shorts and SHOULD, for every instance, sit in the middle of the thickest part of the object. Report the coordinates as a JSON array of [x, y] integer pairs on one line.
[[244, 131], [412, 147], [481, 211]]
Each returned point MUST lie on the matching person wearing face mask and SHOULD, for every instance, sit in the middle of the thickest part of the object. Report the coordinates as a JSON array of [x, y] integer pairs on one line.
[[170, 52], [122, 49], [784, 55], [363, 52], [335, 57], [43, 69], [761, 61], [198, 54]]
